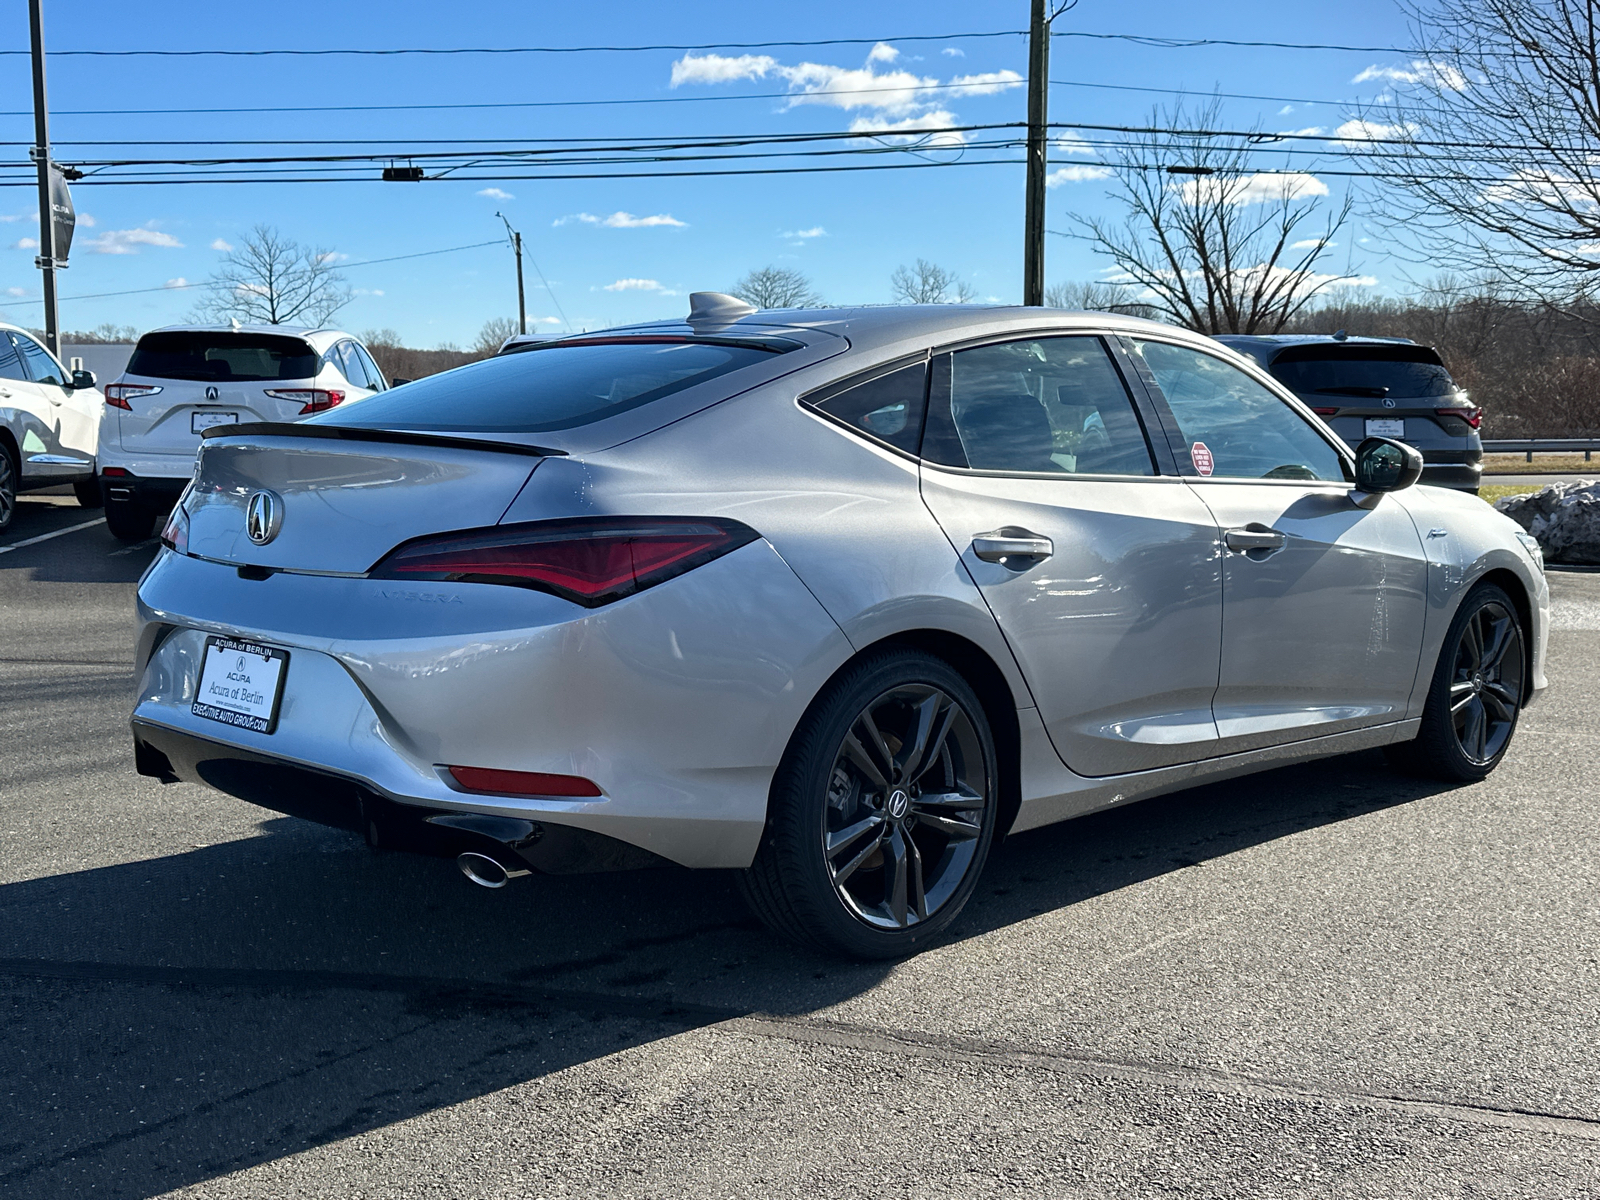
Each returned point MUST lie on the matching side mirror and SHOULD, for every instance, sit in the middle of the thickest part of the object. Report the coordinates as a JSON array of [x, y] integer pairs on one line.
[[1385, 465], [394, 383], [83, 379]]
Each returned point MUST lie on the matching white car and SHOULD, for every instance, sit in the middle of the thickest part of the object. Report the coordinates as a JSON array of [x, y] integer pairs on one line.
[[185, 379], [49, 419]]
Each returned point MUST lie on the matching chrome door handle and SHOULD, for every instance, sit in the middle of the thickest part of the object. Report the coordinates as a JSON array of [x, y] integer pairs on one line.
[[1254, 537], [1001, 544]]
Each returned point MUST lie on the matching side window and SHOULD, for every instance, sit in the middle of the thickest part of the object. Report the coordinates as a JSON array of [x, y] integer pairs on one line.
[[375, 377], [1053, 405], [41, 366], [1231, 425], [332, 358], [350, 364], [10, 361], [888, 408]]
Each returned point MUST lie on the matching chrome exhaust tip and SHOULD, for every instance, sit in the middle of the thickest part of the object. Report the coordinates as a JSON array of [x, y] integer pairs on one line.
[[486, 871]]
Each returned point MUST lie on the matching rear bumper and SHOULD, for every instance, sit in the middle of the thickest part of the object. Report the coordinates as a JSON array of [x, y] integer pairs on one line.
[[1465, 476], [159, 494]]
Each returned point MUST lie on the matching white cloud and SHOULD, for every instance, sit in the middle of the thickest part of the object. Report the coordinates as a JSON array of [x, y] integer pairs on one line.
[[25, 244], [8, 218], [1077, 173], [544, 320], [85, 220], [16, 291], [219, 244], [1260, 188], [495, 193], [332, 256], [1074, 143], [179, 282], [913, 129], [719, 68], [954, 52], [367, 291], [634, 285], [883, 52], [624, 220], [985, 84], [815, 231], [1312, 244], [1308, 131], [128, 241], [1425, 71], [1286, 110], [1365, 131]]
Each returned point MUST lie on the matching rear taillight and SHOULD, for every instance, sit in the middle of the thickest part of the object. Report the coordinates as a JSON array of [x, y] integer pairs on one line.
[[175, 533], [588, 560], [313, 400], [1324, 412], [1472, 416], [116, 472], [521, 783], [118, 394]]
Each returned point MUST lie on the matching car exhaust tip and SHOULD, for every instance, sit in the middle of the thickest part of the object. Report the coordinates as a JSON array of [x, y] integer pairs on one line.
[[486, 871]]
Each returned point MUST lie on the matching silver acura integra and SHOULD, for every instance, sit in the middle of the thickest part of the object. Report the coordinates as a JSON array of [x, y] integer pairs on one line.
[[834, 598]]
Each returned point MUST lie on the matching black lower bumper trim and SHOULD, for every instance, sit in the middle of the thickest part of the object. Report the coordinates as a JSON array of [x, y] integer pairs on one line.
[[328, 798]]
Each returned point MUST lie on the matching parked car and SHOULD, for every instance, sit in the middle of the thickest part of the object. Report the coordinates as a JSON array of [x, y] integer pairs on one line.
[[48, 423], [185, 379], [1379, 387], [834, 598]]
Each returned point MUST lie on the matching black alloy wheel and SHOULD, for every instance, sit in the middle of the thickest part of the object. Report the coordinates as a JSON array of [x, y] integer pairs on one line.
[[8, 486], [882, 813], [1477, 692]]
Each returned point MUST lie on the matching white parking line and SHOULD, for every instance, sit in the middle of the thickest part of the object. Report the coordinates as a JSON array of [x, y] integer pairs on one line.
[[45, 537]]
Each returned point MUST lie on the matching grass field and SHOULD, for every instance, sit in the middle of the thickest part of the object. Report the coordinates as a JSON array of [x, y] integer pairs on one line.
[[1491, 492], [1542, 464]]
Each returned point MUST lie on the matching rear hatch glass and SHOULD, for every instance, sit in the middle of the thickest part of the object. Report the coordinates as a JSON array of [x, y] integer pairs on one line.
[[223, 357], [1363, 372], [559, 386]]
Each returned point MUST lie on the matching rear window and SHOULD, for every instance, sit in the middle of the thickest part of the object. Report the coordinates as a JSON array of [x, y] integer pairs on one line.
[[559, 386], [223, 357], [1370, 372]]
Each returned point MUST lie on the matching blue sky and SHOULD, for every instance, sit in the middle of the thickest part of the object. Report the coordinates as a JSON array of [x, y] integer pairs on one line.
[[848, 232]]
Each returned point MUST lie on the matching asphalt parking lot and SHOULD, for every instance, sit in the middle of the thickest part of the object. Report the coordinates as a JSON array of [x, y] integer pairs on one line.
[[1325, 981]]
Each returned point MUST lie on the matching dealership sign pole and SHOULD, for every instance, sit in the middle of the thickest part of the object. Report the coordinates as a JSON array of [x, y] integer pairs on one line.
[[56, 218]]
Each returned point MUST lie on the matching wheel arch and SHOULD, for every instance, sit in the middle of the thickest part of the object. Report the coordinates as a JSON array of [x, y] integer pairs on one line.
[[1512, 585]]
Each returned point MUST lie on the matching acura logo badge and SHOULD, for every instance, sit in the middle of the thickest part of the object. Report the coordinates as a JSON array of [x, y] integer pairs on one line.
[[212, 393], [1388, 403], [263, 517]]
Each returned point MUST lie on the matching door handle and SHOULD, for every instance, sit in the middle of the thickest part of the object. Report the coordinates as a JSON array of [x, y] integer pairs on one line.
[[1011, 542], [1254, 537]]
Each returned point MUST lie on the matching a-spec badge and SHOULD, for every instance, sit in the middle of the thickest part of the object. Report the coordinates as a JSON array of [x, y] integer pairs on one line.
[[263, 516]]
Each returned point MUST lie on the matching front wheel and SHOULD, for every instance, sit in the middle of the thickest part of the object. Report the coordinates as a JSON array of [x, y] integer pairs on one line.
[[88, 493], [1476, 695], [8, 486], [882, 812]]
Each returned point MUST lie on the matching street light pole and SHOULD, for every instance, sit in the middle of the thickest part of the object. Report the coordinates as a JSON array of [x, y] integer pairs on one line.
[[1038, 154], [522, 300], [46, 261]]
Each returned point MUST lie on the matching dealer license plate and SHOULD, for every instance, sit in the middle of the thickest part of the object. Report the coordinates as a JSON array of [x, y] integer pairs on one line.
[[1386, 427], [201, 421], [240, 684]]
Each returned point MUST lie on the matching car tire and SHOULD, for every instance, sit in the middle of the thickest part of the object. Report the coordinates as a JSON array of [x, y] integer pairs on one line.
[[1476, 695], [88, 493], [872, 846], [130, 520], [8, 485]]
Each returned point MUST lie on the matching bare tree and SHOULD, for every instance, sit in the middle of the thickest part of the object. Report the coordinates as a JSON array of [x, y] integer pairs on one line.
[[1206, 241], [271, 280], [1096, 295], [1494, 136], [494, 333], [928, 283], [776, 287]]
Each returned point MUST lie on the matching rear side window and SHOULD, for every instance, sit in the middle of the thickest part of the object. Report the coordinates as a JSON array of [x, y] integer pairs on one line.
[[223, 357], [560, 386], [1051, 405], [351, 365], [10, 361], [888, 408], [1365, 372]]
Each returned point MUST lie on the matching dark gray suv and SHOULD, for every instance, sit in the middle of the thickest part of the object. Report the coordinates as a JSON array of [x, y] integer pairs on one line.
[[1379, 387]]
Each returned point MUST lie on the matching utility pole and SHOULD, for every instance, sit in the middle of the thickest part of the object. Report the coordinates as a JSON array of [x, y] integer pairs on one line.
[[522, 300], [1038, 154], [46, 261]]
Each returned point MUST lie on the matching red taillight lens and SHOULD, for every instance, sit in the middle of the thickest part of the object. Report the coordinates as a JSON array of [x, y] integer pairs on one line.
[[313, 400], [116, 472], [175, 533], [1324, 412], [521, 783], [1472, 416], [118, 394], [588, 560]]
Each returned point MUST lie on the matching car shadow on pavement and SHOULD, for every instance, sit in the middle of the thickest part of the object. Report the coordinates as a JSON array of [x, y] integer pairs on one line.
[[172, 1020]]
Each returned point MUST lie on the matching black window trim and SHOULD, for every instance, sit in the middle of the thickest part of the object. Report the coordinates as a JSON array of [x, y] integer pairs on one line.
[[17, 338], [810, 401], [1250, 369]]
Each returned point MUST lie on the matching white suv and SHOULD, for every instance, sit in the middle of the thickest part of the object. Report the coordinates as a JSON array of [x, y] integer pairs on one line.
[[185, 379], [48, 421]]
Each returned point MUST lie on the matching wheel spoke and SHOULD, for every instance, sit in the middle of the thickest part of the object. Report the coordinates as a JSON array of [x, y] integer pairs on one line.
[[914, 749], [1472, 729], [1461, 695], [1496, 701], [1500, 638], [840, 840], [850, 868], [1472, 642], [896, 869], [949, 802], [918, 889], [934, 719], [864, 761], [957, 829]]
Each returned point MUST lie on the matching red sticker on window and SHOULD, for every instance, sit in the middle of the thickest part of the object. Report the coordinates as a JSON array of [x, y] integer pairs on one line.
[[1201, 457]]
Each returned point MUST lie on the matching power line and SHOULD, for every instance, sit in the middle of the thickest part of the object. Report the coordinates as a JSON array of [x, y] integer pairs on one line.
[[443, 51], [1189, 43], [1126, 87]]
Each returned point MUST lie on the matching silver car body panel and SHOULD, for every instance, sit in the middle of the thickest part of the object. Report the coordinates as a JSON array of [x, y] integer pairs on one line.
[[679, 701]]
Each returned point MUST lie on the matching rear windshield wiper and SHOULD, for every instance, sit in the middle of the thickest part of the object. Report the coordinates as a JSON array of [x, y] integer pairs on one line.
[[1376, 393]]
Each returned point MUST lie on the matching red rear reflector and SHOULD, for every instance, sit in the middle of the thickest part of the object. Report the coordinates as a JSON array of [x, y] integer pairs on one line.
[[588, 560], [116, 472], [1472, 416], [522, 783], [1324, 412]]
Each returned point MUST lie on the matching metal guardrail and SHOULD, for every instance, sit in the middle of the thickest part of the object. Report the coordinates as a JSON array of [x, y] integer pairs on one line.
[[1532, 446]]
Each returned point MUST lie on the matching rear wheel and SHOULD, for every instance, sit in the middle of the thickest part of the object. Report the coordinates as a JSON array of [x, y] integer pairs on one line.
[[88, 493], [882, 812], [8, 485], [130, 520], [1476, 695]]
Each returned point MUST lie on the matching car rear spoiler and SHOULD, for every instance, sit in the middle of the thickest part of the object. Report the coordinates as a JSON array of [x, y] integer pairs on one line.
[[351, 433]]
